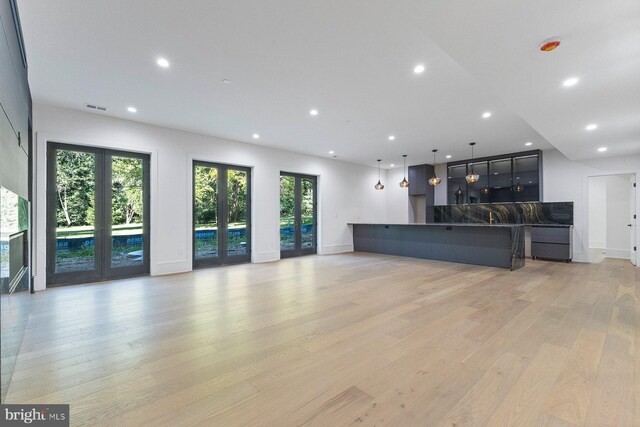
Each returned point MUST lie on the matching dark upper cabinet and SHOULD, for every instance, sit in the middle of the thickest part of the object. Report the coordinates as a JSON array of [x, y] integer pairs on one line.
[[419, 186], [418, 177]]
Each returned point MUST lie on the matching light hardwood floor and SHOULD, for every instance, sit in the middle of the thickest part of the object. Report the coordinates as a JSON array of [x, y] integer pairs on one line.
[[354, 339]]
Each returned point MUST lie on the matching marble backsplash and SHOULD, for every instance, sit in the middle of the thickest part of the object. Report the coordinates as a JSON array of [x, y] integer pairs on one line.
[[560, 213]]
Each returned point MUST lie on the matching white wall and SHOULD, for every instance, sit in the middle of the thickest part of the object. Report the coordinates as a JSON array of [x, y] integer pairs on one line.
[[565, 180], [618, 210], [397, 201], [345, 193], [598, 212]]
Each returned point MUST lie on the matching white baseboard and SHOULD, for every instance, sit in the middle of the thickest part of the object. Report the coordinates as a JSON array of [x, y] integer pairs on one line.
[[169, 267], [618, 253], [336, 249], [265, 257]]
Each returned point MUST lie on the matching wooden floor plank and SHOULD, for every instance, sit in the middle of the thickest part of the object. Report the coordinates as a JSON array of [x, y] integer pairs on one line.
[[350, 339]]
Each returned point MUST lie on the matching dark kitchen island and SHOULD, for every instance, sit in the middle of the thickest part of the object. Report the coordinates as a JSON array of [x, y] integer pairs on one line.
[[493, 245]]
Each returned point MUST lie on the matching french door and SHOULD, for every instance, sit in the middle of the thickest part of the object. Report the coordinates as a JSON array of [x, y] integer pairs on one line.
[[298, 215], [97, 214], [221, 214]]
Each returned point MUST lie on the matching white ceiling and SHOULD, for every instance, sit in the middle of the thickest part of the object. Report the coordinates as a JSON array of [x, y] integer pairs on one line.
[[353, 61]]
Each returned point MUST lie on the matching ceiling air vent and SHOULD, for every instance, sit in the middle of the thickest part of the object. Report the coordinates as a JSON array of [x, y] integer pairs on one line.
[[95, 107]]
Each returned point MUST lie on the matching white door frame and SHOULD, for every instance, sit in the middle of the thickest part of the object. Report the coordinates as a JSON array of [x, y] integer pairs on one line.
[[585, 230]]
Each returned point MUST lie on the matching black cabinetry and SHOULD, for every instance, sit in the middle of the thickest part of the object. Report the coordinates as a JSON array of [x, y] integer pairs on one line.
[[552, 242], [421, 192]]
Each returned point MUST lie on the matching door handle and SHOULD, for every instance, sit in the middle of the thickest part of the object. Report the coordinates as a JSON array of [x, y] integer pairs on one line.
[[629, 225]]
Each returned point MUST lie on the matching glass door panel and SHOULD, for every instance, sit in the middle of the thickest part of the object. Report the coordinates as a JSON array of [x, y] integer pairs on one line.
[[500, 180], [205, 214], [127, 209], [308, 212], [298, 215], [475, 193], [75, 211], [287, 214], [237, 212], [221, 214]]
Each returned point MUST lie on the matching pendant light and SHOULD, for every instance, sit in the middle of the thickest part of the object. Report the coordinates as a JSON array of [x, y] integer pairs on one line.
[[472, 177], [435, 180], [404, 183], [379, 185]]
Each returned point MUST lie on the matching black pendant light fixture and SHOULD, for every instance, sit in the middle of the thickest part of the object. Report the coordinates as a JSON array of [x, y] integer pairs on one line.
[[379, 185], [434, 180], [404, 183], [472, 177], [519, 187]]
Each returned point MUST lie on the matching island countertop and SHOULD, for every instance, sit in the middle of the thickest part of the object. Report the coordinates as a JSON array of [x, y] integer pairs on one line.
[[441, 224], [495, 245]]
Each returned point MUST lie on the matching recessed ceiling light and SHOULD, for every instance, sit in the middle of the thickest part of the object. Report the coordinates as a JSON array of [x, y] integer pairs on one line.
[[132, 109], [392, 165], [392, 138], [486, 115], [528, 143], [331, 152], [419, 69], [313, 112], [256, 136], [448, 156], [602, 149], [162, 62], [572, 81], [592, 126]]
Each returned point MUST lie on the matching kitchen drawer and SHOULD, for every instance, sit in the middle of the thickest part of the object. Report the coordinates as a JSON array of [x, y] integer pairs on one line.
[[551, 235], [551, 251]]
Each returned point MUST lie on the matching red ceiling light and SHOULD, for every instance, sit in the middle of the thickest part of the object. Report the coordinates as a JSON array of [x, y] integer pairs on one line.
[[549, 45]]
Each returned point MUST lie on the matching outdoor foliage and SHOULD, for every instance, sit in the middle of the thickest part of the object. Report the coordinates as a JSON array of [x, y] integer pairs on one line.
[[75, 187], [206, 195], [75, 182], [287, 200], [126, 198]]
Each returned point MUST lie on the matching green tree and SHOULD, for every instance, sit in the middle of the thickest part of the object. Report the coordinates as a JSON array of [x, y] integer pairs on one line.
[[126, 188], [75, 186], [206, 195]]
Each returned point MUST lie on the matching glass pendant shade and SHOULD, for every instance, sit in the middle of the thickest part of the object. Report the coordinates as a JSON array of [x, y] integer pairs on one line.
[[519, 187], [459, 192], [485, 190], [472, 177], [435, 180], [404, 183], [379, 185]]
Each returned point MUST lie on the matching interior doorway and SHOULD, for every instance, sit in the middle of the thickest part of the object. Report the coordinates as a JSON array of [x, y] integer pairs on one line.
[[97, 214], [612, 217], [298, 215]]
